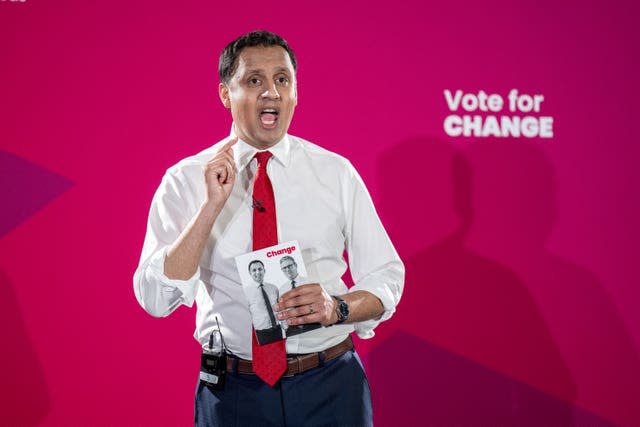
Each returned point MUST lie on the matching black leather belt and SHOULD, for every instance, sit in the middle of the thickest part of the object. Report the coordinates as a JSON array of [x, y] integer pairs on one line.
[[295, 364]]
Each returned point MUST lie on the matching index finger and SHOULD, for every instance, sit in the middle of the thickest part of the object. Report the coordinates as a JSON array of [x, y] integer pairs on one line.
[[227, 146]]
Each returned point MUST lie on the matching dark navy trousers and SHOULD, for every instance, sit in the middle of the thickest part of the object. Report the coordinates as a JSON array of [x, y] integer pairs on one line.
[[336, 394]]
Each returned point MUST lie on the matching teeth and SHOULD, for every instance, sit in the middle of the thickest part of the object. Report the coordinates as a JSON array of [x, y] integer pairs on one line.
[[269, 110]]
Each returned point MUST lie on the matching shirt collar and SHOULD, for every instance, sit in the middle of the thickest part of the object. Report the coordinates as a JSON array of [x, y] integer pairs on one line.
[[244, 153]]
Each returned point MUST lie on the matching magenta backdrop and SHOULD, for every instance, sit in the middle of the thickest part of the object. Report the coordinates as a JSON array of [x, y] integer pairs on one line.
[[522, 287]]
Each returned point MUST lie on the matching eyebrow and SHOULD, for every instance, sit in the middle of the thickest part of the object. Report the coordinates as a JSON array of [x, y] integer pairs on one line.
[[262, 72]]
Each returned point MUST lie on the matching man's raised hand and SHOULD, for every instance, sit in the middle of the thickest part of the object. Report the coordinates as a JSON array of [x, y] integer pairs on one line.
[[220, 174]]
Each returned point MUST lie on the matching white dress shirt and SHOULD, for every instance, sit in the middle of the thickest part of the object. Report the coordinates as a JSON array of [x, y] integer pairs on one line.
[[287, 286], [257, 306], [321, 202]]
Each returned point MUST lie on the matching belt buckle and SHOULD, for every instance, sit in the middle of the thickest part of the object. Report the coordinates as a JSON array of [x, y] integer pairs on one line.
[[292, 359]]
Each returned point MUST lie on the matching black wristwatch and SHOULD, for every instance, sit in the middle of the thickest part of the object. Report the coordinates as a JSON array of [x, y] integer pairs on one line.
[[342, 309]]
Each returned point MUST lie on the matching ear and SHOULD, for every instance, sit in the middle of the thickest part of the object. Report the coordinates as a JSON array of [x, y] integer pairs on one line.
[[223, 91]]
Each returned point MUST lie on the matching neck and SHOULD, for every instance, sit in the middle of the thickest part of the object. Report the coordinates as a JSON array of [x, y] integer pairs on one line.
[[259, 145]]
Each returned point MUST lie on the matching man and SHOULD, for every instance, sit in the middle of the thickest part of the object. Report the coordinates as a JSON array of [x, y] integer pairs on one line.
[[261, 299], [289, 267], [262, 186]]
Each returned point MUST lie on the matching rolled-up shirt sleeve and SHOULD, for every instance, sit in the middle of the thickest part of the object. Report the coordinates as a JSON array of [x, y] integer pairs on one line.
[[373, 261], [172, 207]]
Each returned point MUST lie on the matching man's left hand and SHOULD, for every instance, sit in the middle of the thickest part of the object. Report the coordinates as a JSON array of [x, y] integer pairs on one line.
[[307, 304]]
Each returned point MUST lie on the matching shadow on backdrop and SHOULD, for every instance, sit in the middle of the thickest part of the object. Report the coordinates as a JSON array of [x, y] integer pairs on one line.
[[515, 211], [478, 350], [26, 189], [24, 393], [436, 387]]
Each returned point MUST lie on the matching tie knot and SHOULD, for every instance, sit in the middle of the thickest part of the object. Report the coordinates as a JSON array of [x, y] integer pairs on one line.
[[263, 157]]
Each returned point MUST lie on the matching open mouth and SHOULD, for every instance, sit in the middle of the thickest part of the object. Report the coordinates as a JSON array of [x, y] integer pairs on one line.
[[269, 117]]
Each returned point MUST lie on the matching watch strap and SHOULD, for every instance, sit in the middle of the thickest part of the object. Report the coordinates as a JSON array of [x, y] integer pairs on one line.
[[342, 310]]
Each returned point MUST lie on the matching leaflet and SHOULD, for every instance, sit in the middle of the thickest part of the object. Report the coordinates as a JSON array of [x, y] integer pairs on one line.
[[265, 275]]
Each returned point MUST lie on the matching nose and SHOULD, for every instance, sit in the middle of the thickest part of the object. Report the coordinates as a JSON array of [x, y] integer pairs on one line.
[[271, 92]]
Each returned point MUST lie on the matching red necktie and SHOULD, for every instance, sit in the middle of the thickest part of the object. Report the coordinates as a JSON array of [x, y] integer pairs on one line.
[[269, 360]]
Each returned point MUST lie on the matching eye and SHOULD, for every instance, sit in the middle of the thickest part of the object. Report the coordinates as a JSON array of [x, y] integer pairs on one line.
[[254, 81], [282, 80]]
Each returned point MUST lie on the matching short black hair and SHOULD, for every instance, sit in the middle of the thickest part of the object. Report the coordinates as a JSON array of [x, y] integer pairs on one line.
[[255, 261], [229, 56]]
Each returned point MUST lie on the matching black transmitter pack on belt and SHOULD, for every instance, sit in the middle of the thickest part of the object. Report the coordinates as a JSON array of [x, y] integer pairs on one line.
[[213, 369], [213, 366]]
